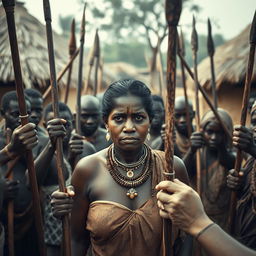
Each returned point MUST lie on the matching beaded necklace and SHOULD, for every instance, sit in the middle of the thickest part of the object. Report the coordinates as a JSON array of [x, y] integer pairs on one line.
[[129, 181]]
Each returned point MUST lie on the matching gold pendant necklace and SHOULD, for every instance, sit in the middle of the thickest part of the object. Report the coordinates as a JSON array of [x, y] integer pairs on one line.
[[132, 193]]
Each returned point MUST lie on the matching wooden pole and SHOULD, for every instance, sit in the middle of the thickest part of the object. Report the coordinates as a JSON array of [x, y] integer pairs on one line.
[[80, 75], [91, 63], [211, 51], [245, 103], [62, 73], [194, 45], [72, 50], [208, 101], [97, 58], [181, 50], [172, 10], [55, 103], [10, 206], [9, 6]]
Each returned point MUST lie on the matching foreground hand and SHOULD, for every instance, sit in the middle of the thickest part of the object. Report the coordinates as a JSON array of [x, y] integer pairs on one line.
[[62, 202], [76, 145], [197, 141], [235, 182], [243, 138], [56, 128], [23, 138], [183, 206]]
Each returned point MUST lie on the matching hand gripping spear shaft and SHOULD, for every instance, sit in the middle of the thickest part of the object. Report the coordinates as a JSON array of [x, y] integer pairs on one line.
[[247, 89], [55, 103], [194, 45], [173, 10], [211, 51], [80, 75], [9, 6], [181, 51], [72, 50]]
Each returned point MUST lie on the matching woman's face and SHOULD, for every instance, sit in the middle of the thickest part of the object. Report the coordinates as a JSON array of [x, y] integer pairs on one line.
[[214, 135], [128, 123]]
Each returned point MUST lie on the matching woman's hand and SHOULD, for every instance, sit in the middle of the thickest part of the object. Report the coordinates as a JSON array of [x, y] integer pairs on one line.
[[181, 204], [62, 202], [197, 141]]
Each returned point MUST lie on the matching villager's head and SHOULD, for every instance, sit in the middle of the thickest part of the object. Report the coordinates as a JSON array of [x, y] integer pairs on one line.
[[10, 109], [90, 115], [180, 115], [214, 134], [36, 101], [64, 113], [127, 109], [158, 113]]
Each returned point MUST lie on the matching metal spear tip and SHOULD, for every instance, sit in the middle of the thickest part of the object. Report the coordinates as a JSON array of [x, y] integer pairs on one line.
[[8, 3], [194, 37], [210, 43], [172, 11], [72, 41], [96, 45], [253, 30], [82, 31]]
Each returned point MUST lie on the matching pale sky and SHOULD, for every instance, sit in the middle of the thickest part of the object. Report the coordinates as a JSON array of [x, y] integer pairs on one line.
[[232, 16]]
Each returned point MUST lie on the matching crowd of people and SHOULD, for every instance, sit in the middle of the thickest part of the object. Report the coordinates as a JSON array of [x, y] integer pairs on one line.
[[114, 170]]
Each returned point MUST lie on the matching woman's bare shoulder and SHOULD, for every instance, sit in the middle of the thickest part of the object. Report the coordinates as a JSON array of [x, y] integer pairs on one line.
[[87, 165]]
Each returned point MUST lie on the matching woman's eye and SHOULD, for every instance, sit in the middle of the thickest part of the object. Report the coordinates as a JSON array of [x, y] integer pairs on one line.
[[139, 118], [118, 118]]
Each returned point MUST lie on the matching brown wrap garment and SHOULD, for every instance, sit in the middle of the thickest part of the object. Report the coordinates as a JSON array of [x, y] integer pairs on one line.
[[114, 227]]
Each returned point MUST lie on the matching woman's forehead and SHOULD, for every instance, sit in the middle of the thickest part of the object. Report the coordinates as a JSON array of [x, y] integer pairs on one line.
[[128, 103], [213, 124]]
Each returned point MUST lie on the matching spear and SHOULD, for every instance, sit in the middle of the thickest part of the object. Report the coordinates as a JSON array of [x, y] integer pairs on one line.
[[101, 72], [62, 73], [9, 6], [80, 75], [10, 212], [55, 103], [91, 63], [97, 57], [208, 101], [194, 45], [72, 50], [181, 51], [211, 51], [172, 10], [245, 103]]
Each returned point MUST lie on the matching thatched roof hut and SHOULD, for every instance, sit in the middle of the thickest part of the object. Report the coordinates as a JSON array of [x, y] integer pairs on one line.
[[230, 68], [31, 37]]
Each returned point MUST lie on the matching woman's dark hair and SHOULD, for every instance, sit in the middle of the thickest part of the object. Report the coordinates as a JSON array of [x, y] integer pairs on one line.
[[126, 87]]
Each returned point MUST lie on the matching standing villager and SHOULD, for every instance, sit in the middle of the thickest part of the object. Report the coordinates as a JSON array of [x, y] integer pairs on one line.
[[181, 125], [91, 122], [45, 164], [24, 222], [245, 184], [116, 185], [154, 139], [217, 158]]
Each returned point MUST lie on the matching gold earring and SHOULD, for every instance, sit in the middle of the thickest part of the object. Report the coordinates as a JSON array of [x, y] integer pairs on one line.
[[148, 136], [107, 136]]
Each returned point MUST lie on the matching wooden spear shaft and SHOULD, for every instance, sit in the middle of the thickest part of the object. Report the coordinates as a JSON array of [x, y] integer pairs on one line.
[[91, 62], [181, 50], [10, 206], [194, 44], [9, 6], [72, 50], [62, 73], [80, 75], [211, 51], [208, 101], [245, 103], [55, 103], [97, 58], [172, 10]]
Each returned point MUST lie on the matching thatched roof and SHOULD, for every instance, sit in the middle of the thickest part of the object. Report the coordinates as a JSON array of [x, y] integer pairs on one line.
[[32, 47], [230, 62]]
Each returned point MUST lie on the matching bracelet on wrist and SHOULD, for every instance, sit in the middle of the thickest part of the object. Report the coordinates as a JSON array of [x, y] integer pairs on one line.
[[204, 229]]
